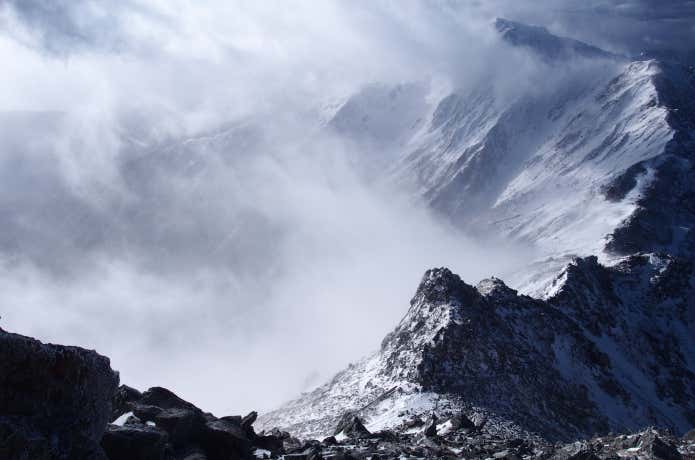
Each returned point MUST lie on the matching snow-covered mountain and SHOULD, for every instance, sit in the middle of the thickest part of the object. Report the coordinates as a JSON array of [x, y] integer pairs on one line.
[[594, 170], [611, 350], [571, 163]]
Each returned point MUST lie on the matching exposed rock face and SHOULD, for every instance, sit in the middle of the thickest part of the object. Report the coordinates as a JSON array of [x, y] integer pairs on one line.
[[351, 426], [609, 350], [55, 400], [136, 441]]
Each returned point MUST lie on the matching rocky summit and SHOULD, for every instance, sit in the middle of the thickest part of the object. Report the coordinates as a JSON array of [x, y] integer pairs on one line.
[[609, 350]]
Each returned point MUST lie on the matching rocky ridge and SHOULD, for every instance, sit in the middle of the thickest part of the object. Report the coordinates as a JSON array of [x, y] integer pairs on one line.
[[609, 350], [56, 403]]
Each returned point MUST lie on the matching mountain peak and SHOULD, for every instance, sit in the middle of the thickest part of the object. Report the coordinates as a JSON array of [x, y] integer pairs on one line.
[[543, 43], [495, 287], [440, 285]]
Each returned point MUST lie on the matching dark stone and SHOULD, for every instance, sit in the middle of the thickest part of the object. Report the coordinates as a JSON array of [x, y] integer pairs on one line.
[[55, 400], [248, 421], [689, 436], [464, 423], [191, 453], [223, 440], [330, 441], [661, 450], [145, 412], [431, 427], [165, 399], [135, 443], [122, 400], [269, 442], [351, 426], [20, 441], [182, 425]]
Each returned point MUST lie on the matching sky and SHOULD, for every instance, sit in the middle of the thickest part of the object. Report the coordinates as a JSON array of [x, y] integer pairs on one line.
[[170, 196]]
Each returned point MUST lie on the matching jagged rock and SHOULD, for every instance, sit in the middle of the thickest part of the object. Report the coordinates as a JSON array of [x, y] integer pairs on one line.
[[55, 400], [122, 400], [131, 442], [165, 399], [431, 427], [351, 426], [182, 425], [690, 435], [222, 439], [461, 422], [556, 367], [191, 431], [248, 421], [656, 448], [413, 422], [269, 442]]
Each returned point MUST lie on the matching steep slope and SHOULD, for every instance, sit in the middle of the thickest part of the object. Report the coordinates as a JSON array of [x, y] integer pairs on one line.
[[596, 164], [592, 358], [550, 47], [582, 165], [536, 169]]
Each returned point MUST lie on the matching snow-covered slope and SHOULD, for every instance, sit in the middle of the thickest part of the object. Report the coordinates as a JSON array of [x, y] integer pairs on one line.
[[594, 170], [548, 46], [536, 169], [610, 350], [563, 167]]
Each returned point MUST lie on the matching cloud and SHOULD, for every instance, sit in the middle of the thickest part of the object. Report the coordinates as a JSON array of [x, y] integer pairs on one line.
[[169, 197]]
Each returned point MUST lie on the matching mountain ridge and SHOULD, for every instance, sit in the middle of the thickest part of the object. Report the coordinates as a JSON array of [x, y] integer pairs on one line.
[[596, 173]]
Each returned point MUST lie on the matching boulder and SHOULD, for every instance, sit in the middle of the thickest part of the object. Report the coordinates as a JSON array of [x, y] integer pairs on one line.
[[248, 421], [269, 442], [136, 442], [351, 426], [53, 392], [223, 439], [122, 401], [182, 425], [165, 399], [431, 427], [656, 448]]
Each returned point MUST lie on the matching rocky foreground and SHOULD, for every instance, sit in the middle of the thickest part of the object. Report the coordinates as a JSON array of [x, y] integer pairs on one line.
[[56, 402]]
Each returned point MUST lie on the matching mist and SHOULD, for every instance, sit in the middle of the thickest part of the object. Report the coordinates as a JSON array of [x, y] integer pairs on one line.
[[171, 197]]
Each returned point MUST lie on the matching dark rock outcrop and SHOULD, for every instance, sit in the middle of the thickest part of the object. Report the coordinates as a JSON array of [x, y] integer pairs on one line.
[[165, 426], [136, 442], [55, 400], [124, 396], [351, 426], [608, 350]]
